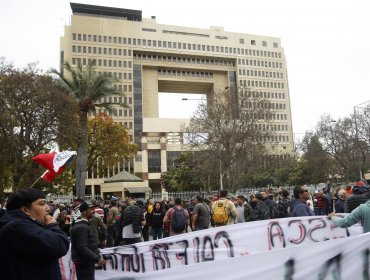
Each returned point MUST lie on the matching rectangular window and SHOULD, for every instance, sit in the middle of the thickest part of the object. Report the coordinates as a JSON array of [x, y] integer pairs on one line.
[[253, 42], [241, 41], [275, 45], [264, 44]]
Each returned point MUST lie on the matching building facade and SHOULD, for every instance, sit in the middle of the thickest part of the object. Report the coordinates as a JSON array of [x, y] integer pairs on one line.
[[147, 58]]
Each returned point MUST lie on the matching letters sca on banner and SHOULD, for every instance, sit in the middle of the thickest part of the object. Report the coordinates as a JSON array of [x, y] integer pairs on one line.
[[217, 244]]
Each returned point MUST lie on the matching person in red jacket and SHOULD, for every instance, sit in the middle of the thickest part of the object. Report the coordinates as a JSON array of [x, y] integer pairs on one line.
[[322, 203]]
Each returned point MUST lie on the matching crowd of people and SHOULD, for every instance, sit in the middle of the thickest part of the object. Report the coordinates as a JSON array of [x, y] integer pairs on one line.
[[31, 226]]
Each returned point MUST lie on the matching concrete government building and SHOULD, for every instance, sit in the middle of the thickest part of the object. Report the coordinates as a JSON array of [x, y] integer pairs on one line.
[[148, 58]]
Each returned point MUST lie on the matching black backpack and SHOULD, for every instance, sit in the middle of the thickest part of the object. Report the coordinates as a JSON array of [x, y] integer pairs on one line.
[[178, 222]]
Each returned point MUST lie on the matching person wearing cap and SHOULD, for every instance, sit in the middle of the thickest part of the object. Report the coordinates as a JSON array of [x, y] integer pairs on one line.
[[76, 214], [31, 241], [361, 213], [85, 250]]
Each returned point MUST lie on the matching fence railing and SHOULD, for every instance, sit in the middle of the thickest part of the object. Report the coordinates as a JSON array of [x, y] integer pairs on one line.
[[68, 198], [186, 195]]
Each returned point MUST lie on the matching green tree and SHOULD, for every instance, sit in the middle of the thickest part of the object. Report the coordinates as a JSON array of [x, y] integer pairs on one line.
[[88, 88], [108, 141], [317, 161], [35, 116], [192, 172]]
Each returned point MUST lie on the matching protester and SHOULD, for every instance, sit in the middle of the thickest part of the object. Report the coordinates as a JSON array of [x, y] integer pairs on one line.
[[358, 197], [98, 226], [261, 211], [31, 242], [201, 215], [132, 221], [112, 222], [76, 214], [178, 218], [284, 211], [156, 220], [223, 210], [85, 250], [146, 227], [340, 202], [298, 206], [244, 210], [60, 207], [272, 205], [64, 222], [361, 213], [322, 202]]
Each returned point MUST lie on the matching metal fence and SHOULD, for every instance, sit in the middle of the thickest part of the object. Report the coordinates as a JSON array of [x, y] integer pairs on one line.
[[186, 195], [183, 195], [67, 199]]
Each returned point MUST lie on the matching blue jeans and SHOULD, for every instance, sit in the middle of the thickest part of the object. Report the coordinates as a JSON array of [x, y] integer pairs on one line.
[[157, 233]]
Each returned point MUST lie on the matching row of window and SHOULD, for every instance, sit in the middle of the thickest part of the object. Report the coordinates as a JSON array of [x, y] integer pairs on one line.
[[261, 84], [101, 51], [117, 99], [266, 95], [104, 62], [268, 116], [264, 105], [175, 45], [178, 73], [260, 63], [114, 112], [184, 60], [94, 172], [263, 74], [125, 89]]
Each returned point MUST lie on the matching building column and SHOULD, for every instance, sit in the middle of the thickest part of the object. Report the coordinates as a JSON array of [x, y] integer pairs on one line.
[[144, 156], [163, 144]]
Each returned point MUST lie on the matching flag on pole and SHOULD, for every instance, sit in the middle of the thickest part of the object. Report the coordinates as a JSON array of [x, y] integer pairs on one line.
[[54, 162]]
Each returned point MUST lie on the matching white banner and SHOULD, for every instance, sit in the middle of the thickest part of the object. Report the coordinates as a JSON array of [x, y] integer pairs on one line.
[[339, 259], [214, 244]]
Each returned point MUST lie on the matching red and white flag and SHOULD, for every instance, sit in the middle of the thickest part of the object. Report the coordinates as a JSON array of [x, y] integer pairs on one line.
[[54, 163]]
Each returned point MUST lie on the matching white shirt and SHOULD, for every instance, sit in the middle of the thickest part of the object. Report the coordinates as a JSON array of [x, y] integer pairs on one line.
[[128, 232], [240, 217]]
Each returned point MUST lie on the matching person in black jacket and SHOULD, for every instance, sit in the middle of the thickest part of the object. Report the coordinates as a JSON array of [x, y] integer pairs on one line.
[[132, 221], [156, 220], [356, 198], [85, 250], [31, 241]]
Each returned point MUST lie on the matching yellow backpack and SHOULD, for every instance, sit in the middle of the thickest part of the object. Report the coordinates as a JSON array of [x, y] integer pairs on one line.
[[220, 215]]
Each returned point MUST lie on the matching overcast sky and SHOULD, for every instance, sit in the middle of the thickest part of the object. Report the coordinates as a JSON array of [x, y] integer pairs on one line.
[[326, 42]]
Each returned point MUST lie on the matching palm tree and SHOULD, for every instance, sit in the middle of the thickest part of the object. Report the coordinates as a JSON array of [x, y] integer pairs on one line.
[[88, 88]]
